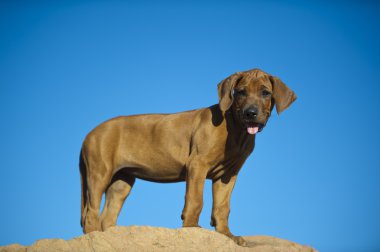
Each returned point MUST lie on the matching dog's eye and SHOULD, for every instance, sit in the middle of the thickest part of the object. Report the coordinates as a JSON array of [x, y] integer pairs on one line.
[[241, 92], [266, 93]]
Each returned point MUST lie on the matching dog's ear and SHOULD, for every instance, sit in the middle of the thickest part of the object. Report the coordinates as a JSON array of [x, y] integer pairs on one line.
[[225, 90], [282, 95]]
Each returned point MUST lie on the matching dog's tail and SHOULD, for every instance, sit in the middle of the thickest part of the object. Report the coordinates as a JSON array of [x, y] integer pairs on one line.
[[84, 188]]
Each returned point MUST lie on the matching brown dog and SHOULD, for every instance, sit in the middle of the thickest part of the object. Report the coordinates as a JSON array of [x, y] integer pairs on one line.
[[209, 143]]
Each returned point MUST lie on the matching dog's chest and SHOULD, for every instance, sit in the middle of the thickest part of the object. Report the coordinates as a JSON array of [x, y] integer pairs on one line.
[[234, 156], [239, 146]]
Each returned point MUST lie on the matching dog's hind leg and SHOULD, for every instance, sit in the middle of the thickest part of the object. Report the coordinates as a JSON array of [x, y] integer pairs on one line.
[[93, 186], [116, 194], [84, 189]]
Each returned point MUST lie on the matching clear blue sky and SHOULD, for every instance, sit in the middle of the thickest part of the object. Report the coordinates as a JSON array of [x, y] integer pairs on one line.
[[314, 176]]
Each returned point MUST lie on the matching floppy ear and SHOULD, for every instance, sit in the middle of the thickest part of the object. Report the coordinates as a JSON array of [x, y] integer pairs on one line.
[[282, 95], [225, 90]]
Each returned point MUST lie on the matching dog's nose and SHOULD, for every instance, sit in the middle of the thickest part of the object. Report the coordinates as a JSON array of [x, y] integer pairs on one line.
[[251, 113]]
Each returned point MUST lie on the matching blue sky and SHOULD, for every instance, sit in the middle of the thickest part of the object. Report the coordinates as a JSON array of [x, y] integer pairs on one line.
[[65, 67]]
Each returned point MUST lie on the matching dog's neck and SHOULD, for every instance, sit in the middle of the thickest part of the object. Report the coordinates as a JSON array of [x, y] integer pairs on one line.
[[237, 133], [233, 123]]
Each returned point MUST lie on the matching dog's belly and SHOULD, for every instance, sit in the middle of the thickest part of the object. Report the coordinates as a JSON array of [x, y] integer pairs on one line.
[[163, 174], [158, 176], [156, 170]]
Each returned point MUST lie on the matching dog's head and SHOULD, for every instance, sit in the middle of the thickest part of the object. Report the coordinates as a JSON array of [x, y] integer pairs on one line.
[[251, 96]]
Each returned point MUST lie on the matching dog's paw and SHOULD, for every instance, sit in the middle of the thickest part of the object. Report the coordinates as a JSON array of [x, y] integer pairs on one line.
[[239, 241], [191, 225]]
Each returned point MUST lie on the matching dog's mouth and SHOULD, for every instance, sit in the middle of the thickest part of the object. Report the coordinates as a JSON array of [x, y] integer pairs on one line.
[[253, 127]]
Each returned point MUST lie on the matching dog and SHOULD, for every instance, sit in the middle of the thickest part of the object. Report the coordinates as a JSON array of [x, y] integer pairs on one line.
[[209, 143]]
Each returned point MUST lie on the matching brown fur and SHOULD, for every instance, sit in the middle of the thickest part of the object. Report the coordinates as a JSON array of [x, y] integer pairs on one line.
[[209, 143]]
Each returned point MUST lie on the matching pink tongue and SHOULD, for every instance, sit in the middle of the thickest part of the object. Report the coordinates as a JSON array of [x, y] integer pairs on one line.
[[252, 130]]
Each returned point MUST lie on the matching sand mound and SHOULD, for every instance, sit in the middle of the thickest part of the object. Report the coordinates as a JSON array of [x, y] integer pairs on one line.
[[145, 238]]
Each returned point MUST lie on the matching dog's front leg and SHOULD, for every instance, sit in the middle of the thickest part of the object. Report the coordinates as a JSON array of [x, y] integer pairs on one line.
[[221, 193], [195, 179]]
